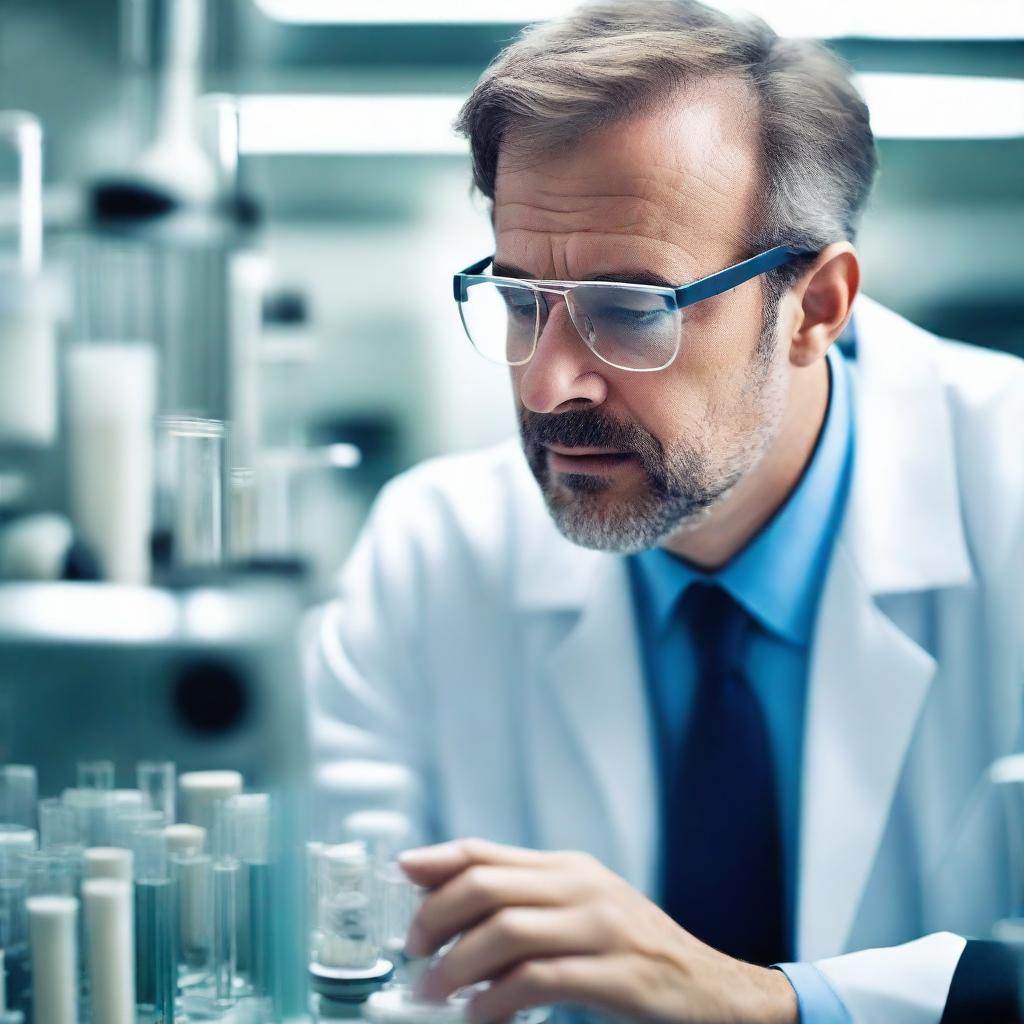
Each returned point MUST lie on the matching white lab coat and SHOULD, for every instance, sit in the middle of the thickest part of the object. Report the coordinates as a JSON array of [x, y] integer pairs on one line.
[[472, 642]]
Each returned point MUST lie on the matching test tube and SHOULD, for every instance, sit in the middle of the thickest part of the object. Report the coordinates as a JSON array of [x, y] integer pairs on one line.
[[155, 969], [28, 361], [193, 874], [53, 922], [190, 481], [18, 795], [250, 813], [95, 774], [58, 824], [14, 922], [110, 949], [225, 907], [94, 810], [7, 1016], [128, 823], [14, 939], [399, 900], [157, 780], [53, 872]]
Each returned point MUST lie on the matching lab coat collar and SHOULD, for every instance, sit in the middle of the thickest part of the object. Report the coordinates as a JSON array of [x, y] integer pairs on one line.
[[903, 524]]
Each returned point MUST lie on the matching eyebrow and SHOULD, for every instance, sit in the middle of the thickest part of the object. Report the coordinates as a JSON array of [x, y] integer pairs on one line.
[[625, 277]]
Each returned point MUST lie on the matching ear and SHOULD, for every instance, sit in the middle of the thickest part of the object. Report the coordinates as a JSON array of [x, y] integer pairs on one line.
[[821, 300]]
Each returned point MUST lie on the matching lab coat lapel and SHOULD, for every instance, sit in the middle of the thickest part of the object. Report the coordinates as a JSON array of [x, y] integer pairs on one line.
[[868, 679], [593, 773]]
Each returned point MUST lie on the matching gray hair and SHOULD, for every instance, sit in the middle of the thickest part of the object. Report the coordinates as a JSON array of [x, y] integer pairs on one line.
[[563, 79]]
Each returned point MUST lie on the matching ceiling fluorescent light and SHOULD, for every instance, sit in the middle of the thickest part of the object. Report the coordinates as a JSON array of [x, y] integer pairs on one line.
[[367, 125], [941, 19], [943, 106], [902, 107]]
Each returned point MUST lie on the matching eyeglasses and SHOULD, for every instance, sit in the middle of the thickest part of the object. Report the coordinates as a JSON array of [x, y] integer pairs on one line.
[[628, 326]]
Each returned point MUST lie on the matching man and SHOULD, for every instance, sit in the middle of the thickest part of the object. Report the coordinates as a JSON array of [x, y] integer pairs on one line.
[[744, 627]]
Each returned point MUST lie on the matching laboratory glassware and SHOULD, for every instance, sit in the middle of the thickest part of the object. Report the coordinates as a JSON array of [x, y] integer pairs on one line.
[[155, 968], [18, 787], [157, 779]]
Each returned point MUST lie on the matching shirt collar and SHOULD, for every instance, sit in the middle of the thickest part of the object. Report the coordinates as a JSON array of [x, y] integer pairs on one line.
[[777, 577]]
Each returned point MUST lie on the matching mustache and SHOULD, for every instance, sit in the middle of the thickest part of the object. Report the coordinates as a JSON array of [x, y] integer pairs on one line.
[[582, 428]]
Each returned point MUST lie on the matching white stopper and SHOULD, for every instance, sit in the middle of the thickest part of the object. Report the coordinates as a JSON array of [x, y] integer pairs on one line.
[[110, 949], [201, 790], [108, 862], [52, 921], [15, 840], [184, 839]]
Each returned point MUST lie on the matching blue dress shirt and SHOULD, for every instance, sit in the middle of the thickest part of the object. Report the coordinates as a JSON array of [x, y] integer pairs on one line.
[[777, 578]]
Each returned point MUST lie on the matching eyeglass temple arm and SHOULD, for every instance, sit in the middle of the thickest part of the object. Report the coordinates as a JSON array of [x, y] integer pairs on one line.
[[458, 282], [723, 280]]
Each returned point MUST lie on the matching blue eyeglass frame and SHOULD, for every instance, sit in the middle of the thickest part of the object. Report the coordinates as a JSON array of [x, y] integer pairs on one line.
[[685, 294]]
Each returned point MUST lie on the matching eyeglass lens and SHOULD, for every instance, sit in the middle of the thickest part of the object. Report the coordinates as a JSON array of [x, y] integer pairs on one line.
[[629, 328]]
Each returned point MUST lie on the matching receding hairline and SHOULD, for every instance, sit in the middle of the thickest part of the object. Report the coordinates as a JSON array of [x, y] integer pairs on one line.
[[532, 141]]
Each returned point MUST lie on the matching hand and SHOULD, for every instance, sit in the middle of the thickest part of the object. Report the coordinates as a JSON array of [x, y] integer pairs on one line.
[[560, 927]]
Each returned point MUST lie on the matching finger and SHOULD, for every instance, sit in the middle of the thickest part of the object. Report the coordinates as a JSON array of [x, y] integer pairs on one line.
[[431, 866], [510, 937], [474, 894], [591, 981]]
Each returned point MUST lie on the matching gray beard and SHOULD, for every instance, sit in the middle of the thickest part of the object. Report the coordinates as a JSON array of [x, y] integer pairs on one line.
[[684, 482]]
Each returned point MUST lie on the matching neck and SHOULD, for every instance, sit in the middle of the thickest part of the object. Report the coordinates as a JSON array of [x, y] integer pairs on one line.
[[731, 525]]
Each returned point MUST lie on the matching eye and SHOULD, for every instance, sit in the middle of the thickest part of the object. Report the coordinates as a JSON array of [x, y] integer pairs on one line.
[[624, 316]]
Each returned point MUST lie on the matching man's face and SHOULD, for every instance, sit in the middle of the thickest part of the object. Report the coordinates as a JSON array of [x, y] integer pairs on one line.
[[664, 195]]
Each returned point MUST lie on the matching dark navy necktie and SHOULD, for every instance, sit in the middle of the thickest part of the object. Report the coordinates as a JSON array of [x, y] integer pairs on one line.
[[722, 858]]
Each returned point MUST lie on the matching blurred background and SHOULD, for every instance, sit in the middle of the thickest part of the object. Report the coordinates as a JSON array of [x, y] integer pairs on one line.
[[358, 193]]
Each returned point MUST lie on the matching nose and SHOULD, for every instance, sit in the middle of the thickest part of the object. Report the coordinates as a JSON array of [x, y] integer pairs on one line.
[[563, 373]]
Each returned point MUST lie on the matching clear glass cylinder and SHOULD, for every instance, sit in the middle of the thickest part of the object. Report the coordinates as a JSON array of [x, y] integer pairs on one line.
[[18, 786], [347, 931], [225, 936], [58, 824], [94, 813], [21, 190], [56, 872], [157, 779], [128, 824], [14, 942], [155, 961], [190, 505], [193, 875], [95, 775]]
